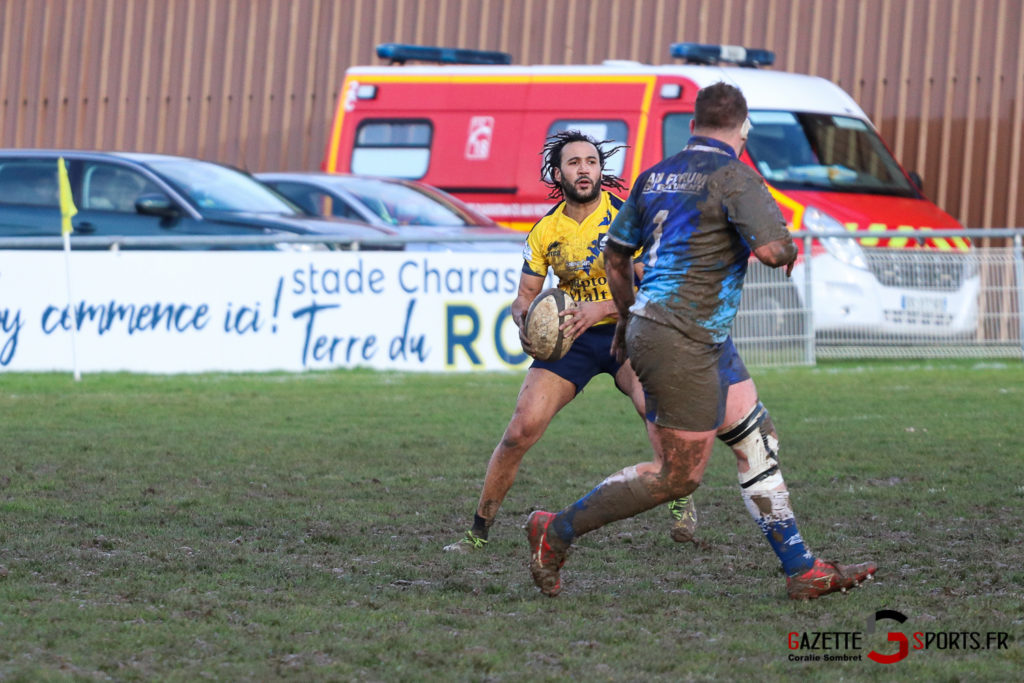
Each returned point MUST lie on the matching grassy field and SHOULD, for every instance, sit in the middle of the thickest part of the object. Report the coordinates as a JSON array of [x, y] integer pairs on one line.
[[260, 527]]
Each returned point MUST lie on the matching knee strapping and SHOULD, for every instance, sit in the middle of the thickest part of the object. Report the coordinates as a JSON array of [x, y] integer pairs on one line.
[[754, 437]]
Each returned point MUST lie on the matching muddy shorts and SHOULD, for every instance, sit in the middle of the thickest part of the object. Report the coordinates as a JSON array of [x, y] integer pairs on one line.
[[590, 355], [686, 382]]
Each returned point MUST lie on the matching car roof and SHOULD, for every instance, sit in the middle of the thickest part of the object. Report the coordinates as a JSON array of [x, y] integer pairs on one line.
[[329, 180], [140, 157], [321, 175]]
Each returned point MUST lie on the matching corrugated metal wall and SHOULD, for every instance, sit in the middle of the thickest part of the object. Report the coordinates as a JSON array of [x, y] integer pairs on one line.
[[254, 82]]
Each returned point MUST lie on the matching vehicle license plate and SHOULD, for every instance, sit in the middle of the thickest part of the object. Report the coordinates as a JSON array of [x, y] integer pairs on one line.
[[924, 304]]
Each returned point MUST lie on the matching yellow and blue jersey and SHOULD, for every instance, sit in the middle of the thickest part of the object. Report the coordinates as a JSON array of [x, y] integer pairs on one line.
[[574, 251]]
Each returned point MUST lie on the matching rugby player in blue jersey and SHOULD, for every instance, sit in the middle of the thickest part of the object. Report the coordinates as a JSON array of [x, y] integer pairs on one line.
[[569, 240], [697, 216]]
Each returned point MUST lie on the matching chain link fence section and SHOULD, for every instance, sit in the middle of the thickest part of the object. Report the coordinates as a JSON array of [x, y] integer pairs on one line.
[[773, 326], [903, 303]]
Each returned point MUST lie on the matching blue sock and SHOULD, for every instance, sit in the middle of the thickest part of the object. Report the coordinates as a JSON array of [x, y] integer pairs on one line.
[[619, 496], [562, 527], [785, 540]]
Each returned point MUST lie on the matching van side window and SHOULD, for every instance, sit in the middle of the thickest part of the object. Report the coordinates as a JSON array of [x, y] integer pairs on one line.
[[29, 182], [599, 129], [392, 148], [675, 132]]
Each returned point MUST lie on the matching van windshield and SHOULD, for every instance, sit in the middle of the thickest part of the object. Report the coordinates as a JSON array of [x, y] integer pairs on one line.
[[823, 151], [798, 151]]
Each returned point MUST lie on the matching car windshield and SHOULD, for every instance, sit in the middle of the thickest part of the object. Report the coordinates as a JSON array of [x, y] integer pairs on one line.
[[214, 187], [399, 204], [823, 151]]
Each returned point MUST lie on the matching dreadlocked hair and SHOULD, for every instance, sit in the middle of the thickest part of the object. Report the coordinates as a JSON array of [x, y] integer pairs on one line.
[[552, 155]]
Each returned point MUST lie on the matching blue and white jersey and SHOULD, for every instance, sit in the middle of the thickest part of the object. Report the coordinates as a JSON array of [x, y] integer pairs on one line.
[[697, 215]]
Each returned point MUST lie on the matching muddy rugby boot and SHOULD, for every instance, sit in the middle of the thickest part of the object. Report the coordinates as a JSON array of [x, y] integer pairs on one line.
[[466, 544], [545, 561], [685, 513], [827, 577]]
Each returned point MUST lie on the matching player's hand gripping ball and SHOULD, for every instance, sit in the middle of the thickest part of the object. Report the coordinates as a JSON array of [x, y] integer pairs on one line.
[[543, 323]]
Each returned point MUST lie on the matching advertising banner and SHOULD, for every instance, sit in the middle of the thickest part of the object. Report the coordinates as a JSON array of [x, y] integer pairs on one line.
[[171, 312]]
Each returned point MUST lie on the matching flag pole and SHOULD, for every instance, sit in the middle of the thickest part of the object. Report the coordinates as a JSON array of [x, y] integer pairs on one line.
[[67, 210]]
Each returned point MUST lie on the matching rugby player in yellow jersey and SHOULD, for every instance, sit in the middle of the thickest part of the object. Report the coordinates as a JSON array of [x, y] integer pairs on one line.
[[570, 240]]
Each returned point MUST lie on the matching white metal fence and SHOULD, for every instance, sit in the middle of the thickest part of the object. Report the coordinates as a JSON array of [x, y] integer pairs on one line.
[[893, 303]]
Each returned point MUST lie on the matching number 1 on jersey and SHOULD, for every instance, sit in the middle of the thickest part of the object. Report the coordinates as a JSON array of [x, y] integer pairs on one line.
[[659, 225]]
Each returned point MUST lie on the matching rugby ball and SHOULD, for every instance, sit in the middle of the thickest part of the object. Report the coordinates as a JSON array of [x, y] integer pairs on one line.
[[542, 322]]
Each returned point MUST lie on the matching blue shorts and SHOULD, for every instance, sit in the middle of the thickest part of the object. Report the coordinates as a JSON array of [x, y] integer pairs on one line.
[[589, 356], [731, 369]]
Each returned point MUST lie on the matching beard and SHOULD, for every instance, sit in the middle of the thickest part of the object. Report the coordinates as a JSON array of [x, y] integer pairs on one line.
[[572, 194]]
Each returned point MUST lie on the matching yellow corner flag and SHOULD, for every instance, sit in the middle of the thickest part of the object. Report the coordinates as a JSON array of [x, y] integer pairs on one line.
[[67, 210], [67, 202]]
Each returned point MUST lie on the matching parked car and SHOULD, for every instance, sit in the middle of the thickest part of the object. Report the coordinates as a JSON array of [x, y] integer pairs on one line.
[[131, 194], [411, 208]]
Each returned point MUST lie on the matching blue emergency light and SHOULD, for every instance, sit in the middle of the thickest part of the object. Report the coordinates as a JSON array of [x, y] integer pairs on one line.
[[695, 53], [399, 54]]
